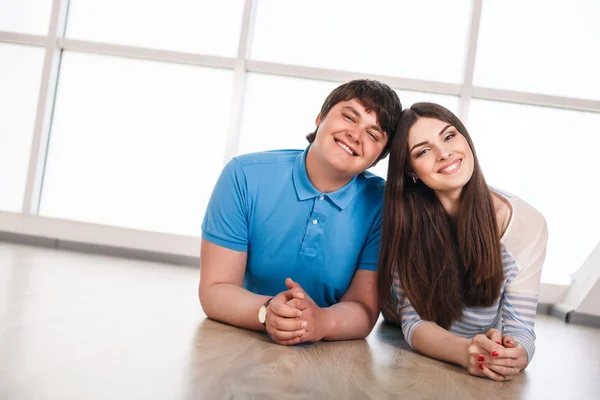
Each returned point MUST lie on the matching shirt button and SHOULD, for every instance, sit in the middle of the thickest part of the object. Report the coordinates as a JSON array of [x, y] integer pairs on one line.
[[315, 221], [321, 197]]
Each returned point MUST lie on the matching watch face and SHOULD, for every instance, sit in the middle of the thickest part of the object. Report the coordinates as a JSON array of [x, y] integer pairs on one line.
[[262, 314]]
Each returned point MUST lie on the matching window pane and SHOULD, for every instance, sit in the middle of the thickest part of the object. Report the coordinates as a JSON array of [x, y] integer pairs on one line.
[[545, 156], [136, 144], [197, 26], [408, 98], [20, 73], [279, 112], [25, 16], [550, 48], [398, 38]]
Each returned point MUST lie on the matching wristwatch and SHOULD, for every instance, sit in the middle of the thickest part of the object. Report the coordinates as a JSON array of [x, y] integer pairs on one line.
[[262, 312]]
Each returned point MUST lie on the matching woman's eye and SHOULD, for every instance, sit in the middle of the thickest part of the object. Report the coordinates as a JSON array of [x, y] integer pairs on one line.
[[450, 136], [422, 152]]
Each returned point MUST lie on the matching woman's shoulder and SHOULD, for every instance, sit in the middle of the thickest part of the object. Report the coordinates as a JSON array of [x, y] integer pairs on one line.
[[527, 226]]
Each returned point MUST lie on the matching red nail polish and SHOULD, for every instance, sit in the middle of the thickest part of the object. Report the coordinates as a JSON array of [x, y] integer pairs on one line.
[[481, 358], [481, 367], [494, 353], [499, 343]]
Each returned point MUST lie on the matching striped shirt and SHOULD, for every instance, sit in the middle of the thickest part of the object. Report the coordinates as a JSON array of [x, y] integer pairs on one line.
[[523, 252]]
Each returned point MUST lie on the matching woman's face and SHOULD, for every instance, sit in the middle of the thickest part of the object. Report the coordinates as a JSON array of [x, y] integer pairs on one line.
[[439, 155]]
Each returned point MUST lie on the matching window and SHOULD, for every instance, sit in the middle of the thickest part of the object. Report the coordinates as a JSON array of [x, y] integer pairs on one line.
[[20, 73], [195, 26], [550, 48], [135, 144], [545, 156], [398, 38], [279, 112], [25, 16]]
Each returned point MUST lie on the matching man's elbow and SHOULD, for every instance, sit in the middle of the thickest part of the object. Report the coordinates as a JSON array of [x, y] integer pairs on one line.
[[372, 318], [204, 298]]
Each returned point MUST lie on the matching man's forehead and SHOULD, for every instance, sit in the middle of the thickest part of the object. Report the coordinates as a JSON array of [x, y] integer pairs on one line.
[[356, 105]]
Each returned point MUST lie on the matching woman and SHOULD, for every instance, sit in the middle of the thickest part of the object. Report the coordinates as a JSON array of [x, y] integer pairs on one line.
[[460, 262]]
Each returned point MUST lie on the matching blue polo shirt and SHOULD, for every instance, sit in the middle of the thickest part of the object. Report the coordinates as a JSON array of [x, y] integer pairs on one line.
[[265, 204]]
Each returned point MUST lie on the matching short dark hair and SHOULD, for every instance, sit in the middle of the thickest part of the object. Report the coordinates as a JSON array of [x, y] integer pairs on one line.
[[373, 95]]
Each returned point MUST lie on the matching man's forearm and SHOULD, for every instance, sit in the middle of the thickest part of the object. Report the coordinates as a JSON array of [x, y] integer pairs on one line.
[[232, 304], [348, 320]]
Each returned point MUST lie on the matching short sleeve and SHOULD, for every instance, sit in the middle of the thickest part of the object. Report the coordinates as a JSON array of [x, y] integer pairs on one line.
[[369, 255], [225, 221]]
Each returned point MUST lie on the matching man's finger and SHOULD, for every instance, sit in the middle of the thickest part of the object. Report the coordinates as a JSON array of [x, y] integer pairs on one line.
[[283, 335], [292, 285], [298, 304], [286, 324], [290, 342], [285, 310], [294, 293]]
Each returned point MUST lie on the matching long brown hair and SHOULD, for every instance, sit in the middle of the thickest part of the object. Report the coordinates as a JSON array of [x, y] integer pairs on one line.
[[443, 265]]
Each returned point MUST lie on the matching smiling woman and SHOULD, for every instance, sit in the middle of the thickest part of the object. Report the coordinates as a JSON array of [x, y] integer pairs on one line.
[[460, 262]]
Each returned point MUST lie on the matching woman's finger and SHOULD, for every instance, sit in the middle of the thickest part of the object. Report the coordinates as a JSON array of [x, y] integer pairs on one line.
[[502, 362], [495, 336], [486, 343], [491, 374], [508, 341], [516, 352], [500, 370]]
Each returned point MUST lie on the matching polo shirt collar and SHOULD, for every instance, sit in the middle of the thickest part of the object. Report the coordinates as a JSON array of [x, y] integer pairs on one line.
[[305, 189]]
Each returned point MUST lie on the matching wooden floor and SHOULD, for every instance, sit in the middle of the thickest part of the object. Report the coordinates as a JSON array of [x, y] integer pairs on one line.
[[77, 326]]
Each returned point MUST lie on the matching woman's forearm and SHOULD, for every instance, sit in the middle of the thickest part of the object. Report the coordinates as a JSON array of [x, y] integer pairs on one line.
[[232, 304], [436, 342]]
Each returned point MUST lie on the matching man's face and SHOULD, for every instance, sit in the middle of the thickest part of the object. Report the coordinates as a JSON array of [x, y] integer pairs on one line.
[[349, 138]]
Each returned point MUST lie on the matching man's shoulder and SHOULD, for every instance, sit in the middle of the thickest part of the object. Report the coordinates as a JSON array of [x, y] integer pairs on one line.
[[268, 158], [371, 183]]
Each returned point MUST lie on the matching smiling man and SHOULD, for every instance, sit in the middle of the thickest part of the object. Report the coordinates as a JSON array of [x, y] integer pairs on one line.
[[290, 238]]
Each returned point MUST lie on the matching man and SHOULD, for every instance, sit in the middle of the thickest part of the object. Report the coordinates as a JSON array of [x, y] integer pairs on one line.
[[313, 216]]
